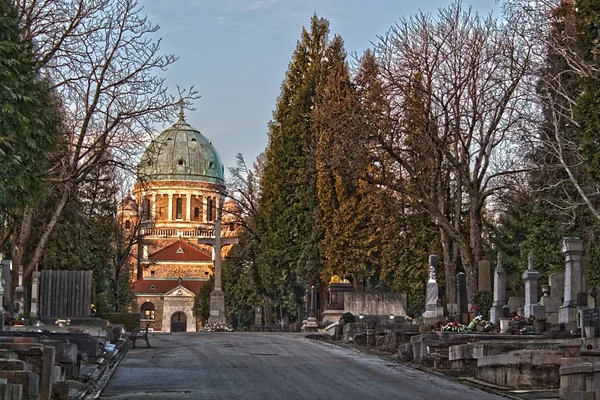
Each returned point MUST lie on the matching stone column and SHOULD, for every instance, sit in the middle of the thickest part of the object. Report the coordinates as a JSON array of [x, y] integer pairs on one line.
[[153, 206], [170, 208], [188, 207], [217, 297], [35, 294], [531, 277], [432, 308], [574, 281], [499, 291]]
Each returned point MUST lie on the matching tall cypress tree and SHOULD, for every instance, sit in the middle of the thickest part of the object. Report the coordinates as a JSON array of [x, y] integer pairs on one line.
[[29, 118], [287, 221]]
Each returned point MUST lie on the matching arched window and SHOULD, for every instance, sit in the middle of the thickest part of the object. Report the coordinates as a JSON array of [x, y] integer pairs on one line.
[[147, 311], [128, 224], [179, 208]]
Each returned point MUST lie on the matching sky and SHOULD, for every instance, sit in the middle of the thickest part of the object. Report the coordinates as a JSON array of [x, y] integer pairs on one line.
[[236, 54]]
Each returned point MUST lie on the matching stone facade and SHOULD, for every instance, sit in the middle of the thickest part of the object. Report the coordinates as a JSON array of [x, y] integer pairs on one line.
[[173, 204]]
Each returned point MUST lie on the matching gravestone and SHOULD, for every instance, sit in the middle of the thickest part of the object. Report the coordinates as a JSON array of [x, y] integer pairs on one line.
[[590, 321], [553, 299], [19, 295], [484, 282], [6, 275], [433, 310], [515, 303], [574, 282], [258, 318], [531, 277], [461, 296], [499, 291]]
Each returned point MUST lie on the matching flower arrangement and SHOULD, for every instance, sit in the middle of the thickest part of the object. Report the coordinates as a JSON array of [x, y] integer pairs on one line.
[[62, 322], [454, 327], [217, 327], [519, 325]]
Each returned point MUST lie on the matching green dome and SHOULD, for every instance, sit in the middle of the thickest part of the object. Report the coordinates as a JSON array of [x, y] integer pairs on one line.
[[181, 153]]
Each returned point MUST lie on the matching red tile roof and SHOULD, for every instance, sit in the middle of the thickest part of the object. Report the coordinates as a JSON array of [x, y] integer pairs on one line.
[[164, 285], [180, 251]]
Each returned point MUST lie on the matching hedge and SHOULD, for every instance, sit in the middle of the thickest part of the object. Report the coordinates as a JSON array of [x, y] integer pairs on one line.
[[129, 320]]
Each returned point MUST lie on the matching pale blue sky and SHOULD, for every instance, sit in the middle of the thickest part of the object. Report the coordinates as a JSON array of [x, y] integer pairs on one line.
[[236, 53]]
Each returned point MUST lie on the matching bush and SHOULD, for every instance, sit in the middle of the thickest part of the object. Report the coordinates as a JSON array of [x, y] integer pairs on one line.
[[483, 300], [347, 318], [128, 320]]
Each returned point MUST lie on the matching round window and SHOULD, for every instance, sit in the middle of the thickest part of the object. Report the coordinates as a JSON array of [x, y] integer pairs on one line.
[[181, 161]]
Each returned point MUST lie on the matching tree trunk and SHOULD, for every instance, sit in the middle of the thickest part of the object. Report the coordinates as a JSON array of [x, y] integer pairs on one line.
[[41, 244], [449, 268]]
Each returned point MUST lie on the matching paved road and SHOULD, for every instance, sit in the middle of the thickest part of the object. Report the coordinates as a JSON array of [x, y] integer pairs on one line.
[[235, 365]]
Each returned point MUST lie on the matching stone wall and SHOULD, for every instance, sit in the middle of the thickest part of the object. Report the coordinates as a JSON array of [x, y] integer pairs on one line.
[[158, 302], [375, 303], [166, 270]]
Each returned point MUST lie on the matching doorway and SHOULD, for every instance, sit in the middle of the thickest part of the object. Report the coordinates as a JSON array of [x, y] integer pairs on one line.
[[178, 322]]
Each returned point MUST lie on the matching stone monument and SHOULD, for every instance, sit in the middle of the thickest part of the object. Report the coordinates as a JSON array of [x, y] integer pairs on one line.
[[531, 277], [433, 310], [19, 295], [484, 280], [311, 323], [499, 291], [35, 294], [217, 297], [574, 281]]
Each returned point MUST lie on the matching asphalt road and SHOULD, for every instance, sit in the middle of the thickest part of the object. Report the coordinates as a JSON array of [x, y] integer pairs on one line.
[[243, 365]]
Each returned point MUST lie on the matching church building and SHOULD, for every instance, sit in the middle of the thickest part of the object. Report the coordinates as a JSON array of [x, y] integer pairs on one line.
[[176, 201]]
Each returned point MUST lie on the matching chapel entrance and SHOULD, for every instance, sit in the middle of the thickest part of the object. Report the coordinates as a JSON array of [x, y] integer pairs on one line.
[[178, 322]]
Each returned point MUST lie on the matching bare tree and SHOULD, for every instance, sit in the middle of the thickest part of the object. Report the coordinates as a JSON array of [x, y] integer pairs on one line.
[[468, 74], [442, 115], [558, 143], [102, 58]]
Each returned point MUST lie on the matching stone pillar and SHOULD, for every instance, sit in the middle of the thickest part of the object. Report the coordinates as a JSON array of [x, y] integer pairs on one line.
[[35, 294], [484, 282], [499, 291], [217, 297], [311, 323], [170, 207], [432, 308], [153, 206], [188, 207], [531, 277], [574, 281]]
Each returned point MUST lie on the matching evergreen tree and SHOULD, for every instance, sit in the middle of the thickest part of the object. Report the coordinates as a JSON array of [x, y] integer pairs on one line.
[[29, 119], [287, 218]]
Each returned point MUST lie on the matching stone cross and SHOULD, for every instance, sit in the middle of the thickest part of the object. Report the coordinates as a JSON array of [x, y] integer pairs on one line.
[[217, 297], [531, 277], [499, 291], [574, 281]]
